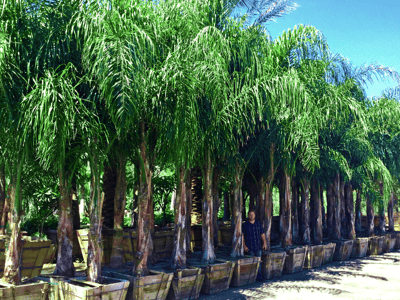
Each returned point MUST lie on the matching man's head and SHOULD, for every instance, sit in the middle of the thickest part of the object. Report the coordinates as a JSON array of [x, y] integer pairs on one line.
[[252, 215]]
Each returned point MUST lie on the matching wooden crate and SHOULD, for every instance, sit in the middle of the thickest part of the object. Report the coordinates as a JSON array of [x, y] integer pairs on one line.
[[295, 258], [329, 252], [392, 244], [186, 284], [397, 240], [78, 288], [107, 244], [314, 257], [245, 271], [343, 250], [360, 247], [32, 257], [164, 243], [53, 281], [196, 240], [225, 234], [50, 255], [218, 275], [32, 291], [381, 241], [154, 286], [273, 263], [373, 245]]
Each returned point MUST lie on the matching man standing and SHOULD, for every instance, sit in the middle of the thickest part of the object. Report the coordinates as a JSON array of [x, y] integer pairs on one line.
[[253, 233]]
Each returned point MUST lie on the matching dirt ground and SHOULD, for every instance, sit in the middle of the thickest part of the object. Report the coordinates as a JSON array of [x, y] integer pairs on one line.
[[374, 277]]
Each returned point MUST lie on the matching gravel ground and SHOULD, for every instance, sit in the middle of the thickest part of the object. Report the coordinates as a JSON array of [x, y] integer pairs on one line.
[[374, 277]]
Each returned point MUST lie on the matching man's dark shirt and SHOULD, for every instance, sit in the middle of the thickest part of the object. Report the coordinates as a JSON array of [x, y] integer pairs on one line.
[[252, 235]]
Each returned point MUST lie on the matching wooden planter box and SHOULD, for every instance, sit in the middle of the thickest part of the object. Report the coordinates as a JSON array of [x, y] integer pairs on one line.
[[107, 243], [154, 286], [186, 284], [32, 256], [360, 247], [78, 288], [50, 255], [314, 257], [31, 290], [245, 271], [295, 258], [273, 263], [196, 238], [386, 243], [225, 234], [381, 241], [392, 241], [397, 240], [329, 252], [163, 243], [343, 250], [218, 275], [373, 245]]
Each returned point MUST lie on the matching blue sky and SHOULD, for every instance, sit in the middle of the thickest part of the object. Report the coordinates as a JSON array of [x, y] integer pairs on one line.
[[364, 31]]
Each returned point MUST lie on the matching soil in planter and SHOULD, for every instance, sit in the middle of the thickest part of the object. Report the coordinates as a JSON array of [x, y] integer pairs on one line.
[[80, 289]]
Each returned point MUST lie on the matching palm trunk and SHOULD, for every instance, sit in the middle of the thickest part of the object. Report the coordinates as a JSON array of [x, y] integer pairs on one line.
[[305, 211], [265, 196], [317, 212], [358, 213], [12, 273], [261, 196], [65, 233], [95, 250], [117, 253], [208, 213], [321, 197], [330, 200], [109, 189], [216, 204], [351, 230], [381, 227], [145, 242], [370, 216], [390, 212], [337, 234], [285, 208], [343, 210], [227, 211], [295, 207], [237, 243], [188, 212], [180, 229], [2, 198]]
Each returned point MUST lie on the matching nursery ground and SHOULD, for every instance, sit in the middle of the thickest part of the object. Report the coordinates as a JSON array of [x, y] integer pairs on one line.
[[374, 277]]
